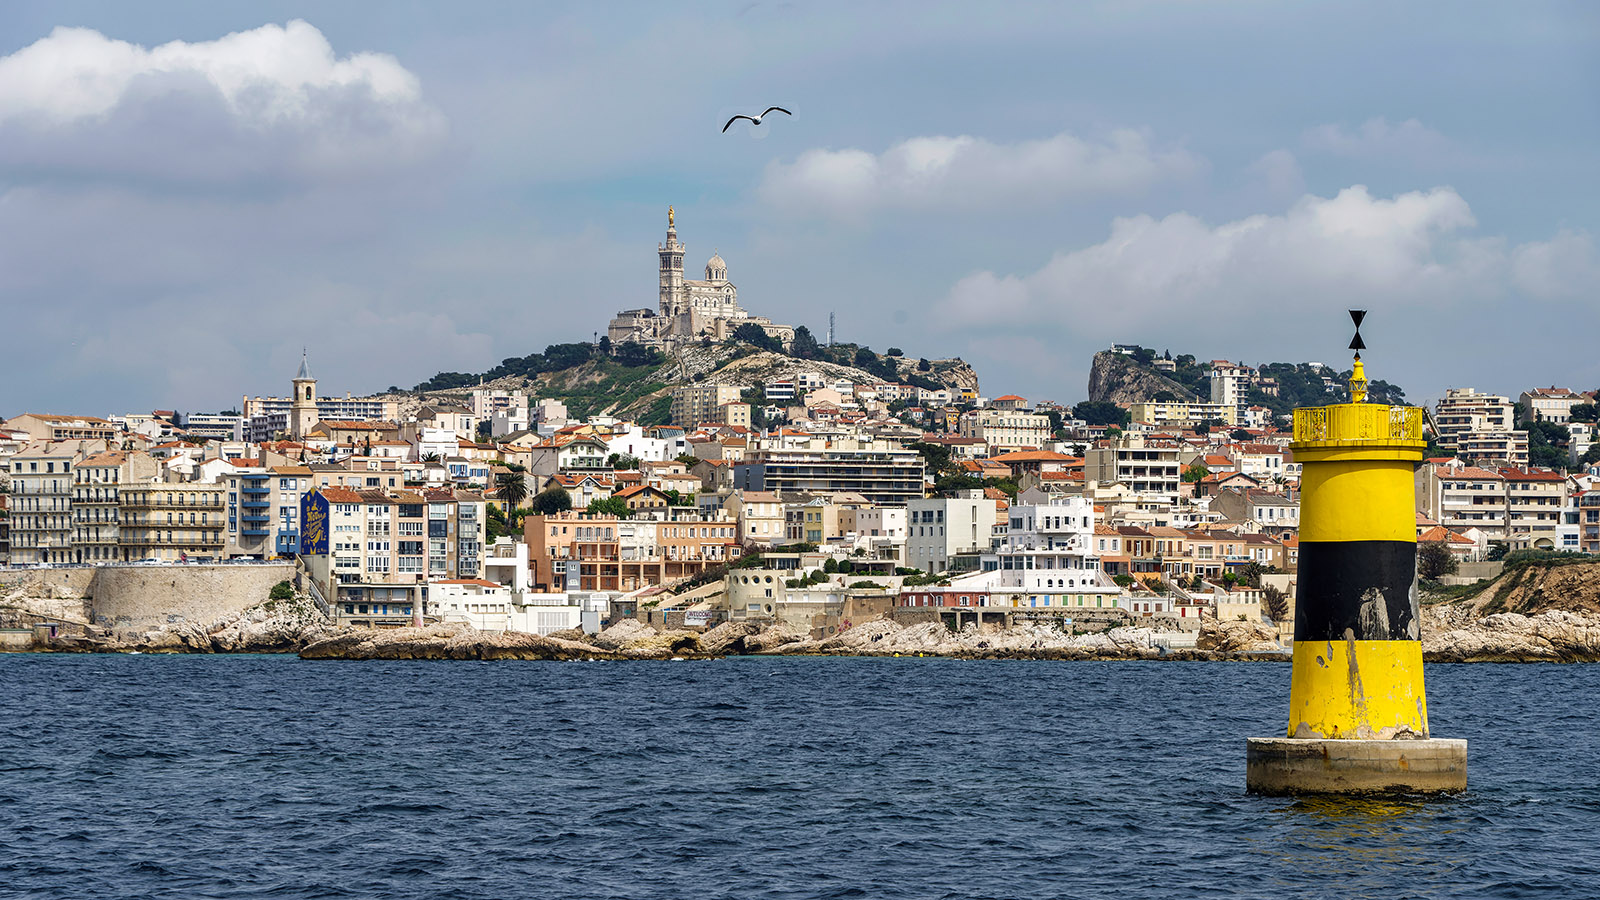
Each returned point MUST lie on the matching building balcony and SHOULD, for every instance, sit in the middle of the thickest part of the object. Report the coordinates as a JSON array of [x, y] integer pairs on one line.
[[254, 532], [163, 503], [256, 504], [256, 488]]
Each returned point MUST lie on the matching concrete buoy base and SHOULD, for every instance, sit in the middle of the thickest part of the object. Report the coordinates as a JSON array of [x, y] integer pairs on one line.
[[1286, 766]]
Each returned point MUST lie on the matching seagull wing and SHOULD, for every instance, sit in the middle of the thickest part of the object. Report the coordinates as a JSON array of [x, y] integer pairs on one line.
[[776, 109], [735, 119]]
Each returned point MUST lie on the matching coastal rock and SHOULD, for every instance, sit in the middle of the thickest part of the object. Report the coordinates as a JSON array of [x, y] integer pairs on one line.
[[1237, 636], [1549, 636], [458, 642], [622, 634], [729, 638], [772, 639]]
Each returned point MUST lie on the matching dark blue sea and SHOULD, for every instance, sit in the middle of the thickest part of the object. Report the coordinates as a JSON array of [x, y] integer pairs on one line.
[[193, 777]]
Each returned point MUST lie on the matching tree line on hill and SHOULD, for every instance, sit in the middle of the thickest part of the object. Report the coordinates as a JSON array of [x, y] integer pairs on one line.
[[633, 355], [1299, 384]]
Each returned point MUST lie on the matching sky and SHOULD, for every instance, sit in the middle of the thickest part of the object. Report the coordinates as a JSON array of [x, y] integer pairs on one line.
[[192, 192]]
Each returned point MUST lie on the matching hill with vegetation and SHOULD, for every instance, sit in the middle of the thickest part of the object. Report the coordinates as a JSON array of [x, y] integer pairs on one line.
[[1134, 378], [632, 381]]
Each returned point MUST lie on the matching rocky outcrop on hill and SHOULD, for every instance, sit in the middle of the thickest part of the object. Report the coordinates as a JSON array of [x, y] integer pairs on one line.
[[1237, 637], [1116, 378]]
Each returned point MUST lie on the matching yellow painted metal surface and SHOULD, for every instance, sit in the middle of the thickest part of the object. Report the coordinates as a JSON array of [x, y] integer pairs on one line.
[[1359, 500], [1357, 690]]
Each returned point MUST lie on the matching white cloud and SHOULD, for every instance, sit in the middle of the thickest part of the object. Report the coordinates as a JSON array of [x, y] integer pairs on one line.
[[273, 102], [1410, 251], [1378, 138], [932, 173], [1279, 172]]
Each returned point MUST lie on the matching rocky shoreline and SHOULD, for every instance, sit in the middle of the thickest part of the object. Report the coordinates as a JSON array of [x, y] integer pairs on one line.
[[1468, 630]]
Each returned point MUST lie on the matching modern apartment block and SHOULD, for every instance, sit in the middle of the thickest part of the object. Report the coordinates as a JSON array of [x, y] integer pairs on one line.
[[697, 403], [1151, 469], [939, 529], [383, 546], [1480, 426], [1183, 414], [885, 476], [1534, 501]]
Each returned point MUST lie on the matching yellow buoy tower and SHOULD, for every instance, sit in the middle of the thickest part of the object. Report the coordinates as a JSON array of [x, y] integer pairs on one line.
[[1358, 715]]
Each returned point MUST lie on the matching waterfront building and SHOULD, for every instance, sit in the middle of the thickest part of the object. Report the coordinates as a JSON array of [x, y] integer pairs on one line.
[[577, 551], [41, 503], [172, 521], [97, 482], [938, 529]]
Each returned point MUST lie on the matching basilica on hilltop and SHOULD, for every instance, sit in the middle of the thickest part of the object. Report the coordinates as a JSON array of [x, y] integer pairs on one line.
[[690, 310]]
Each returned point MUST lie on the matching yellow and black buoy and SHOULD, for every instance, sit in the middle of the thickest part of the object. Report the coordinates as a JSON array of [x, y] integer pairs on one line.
[[1358, 714]]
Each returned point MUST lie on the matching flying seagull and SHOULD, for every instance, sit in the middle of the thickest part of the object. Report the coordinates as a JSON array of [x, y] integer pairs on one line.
[[756, 120]]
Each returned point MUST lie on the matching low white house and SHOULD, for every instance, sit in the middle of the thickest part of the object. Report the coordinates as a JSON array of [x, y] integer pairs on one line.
[[488, 606]]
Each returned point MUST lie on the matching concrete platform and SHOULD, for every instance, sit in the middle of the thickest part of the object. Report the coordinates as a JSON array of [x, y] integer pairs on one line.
[[1284, 766]]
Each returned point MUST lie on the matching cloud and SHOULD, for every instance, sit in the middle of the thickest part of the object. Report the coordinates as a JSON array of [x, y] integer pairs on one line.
[[936, 173], [1409, 251], [1279, 173], [273, 103], [1378, 139]]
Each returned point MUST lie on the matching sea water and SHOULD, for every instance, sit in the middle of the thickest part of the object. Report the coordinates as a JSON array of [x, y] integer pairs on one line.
[[269, 776]]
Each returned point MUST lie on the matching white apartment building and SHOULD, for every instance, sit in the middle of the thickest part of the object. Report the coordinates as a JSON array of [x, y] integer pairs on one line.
[[938, 529], [1463, 413], [1158, 413], [1460, 496], [1048, 556], [1534, 503], [1230, 386], [1151, 470], [1551, 404], [760, 515]]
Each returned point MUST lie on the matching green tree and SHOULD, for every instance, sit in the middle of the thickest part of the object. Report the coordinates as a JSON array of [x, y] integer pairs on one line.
[[622, 461], [1195, 472], [605, 345], [1592, 455], [935, 456], [924, 366], [894, 351], [1497, 551], [512, 488], [1275, 604], [283, 590], [754, 335], [1434, 560], [550, 501], [1251, 574], [1585, 412], [609, 506], [1100, 412], [1164, 397], [687, 460], [1239, 434], [804, 346]]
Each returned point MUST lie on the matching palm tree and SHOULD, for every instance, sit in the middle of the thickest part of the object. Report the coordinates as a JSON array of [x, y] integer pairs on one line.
[[511, 488]]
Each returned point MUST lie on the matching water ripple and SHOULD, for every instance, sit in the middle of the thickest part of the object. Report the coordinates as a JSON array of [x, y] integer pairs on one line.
[[272, 777]]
